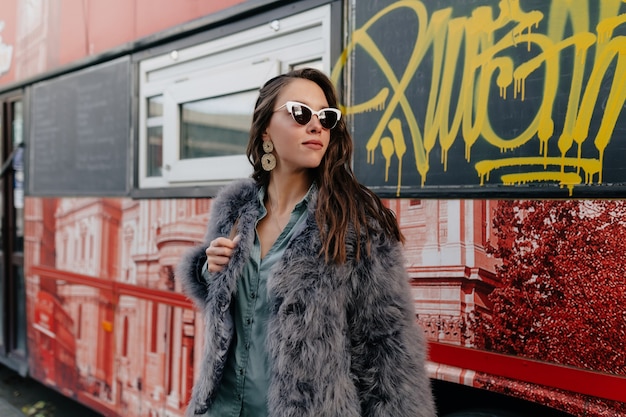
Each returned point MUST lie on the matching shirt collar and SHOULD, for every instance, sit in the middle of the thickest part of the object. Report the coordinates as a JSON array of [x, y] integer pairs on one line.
[[303, 203]]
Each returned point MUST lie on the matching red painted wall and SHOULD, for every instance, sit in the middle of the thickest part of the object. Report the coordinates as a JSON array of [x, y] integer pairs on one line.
[[8, 21], [39, 36]]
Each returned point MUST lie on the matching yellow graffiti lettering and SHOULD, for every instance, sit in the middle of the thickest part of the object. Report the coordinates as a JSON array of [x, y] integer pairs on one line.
[[568, 180], [468, 57], [395, 126], [590, 166], [423, 39], [386, 145]]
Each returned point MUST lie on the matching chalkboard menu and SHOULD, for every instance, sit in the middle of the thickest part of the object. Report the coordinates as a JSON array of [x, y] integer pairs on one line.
[[80, 131], [486, 98]]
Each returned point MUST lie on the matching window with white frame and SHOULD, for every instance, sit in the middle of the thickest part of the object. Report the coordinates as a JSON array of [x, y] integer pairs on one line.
[[196, 103]]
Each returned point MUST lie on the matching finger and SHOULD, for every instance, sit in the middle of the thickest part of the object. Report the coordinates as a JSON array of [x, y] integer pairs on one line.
[[216, 263], [221, 251], [215, 268], [225, 242], [218, 259]]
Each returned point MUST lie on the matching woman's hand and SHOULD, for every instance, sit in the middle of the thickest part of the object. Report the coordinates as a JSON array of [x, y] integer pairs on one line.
[[219, 252]]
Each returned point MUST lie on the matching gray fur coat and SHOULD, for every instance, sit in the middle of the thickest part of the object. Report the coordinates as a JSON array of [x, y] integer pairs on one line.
[[342, 338]]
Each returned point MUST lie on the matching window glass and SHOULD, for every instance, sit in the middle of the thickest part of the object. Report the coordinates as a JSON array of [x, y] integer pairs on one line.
[[155, 151], [217, 126], [18, 173], [155, 106], [19, 288], [154, 134]]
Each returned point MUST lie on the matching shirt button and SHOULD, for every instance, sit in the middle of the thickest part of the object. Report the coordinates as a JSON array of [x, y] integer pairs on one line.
[[253, 295], [240, 371], [248, 346], [248, 321], [239, 397]]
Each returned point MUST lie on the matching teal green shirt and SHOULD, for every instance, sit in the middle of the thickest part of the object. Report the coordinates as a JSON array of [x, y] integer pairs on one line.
[[246, 378]]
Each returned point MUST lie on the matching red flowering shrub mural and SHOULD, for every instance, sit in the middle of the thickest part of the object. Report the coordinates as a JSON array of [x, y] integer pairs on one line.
[[563, 284]]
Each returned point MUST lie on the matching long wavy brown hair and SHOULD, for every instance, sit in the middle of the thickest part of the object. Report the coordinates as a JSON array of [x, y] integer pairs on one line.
[[342, 201]]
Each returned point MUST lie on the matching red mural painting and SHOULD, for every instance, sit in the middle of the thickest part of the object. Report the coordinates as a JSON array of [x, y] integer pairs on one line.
[[563, 279], [561, 295], [109, 325], [537, 279]]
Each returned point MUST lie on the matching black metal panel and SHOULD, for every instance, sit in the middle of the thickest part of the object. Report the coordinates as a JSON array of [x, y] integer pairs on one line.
[[80, 132], [485, 98]]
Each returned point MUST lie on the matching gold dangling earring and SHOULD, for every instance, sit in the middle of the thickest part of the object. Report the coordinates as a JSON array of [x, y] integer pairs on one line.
[[268, 160]]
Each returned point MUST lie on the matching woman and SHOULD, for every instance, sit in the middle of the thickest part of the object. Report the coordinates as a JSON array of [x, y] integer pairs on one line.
[[305, 298]]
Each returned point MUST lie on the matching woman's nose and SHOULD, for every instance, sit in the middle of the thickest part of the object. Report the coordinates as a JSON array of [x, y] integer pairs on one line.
[[314, 124]]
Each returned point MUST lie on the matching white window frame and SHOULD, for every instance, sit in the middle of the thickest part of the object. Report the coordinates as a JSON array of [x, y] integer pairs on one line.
[[233, 64]]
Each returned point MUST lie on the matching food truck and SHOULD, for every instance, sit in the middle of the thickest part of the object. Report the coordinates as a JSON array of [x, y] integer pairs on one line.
[[494, 129]]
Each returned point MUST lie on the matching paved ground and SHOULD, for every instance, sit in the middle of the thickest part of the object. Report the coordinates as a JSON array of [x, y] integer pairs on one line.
[[7, 410], [21, 397]]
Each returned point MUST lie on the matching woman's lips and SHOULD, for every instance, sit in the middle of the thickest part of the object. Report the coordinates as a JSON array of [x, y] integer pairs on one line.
[[313, 144]]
